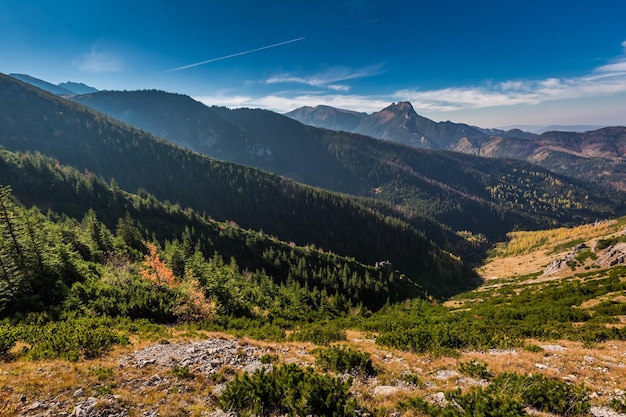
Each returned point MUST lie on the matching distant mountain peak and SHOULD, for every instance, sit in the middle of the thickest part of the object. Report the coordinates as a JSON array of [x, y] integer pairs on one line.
[[78, 88], [68, 88], [44, 85], [401, 106]]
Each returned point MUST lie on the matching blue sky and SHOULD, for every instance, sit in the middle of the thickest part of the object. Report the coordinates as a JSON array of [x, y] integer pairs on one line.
[[487, 63]]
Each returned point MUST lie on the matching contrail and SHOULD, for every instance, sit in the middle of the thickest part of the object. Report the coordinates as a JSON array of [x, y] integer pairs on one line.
[[237, 54]]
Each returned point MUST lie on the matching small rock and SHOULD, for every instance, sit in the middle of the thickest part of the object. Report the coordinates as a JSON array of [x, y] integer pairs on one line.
[[385, 390], [78, 393], [34, 406], [502, 352], [541, 366], [604, 412], [154, 380], [580, 247], [438, 398], [220, 413], [445, 374], [553, 348], [79, 411], [146, 362]]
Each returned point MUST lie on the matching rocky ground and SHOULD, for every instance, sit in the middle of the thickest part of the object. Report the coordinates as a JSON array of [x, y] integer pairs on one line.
[[185, 378]]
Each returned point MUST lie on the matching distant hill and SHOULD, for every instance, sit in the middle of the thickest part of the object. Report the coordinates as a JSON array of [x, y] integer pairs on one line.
[[538, 129], [557, 151], [78, 88], [328, 117], [425, 187], [595, 155], [63, 89], [44, 85]]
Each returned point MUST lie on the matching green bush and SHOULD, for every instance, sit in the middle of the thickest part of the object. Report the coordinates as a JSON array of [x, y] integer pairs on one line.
[[72, 339], [319, 334], [475, 369], [533, 348], [288, 389], [543, 393], [183, 372], [507, 395], [618, 404], [344, 360], [8, 337], [476, 402], [610, 308], [438, 338], [411, 379], [268, 358], [248, 327], [605, 243]]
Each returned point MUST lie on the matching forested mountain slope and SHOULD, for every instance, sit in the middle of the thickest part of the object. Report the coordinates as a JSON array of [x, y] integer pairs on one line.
[[488, 196], [33, 120], [68, 194]]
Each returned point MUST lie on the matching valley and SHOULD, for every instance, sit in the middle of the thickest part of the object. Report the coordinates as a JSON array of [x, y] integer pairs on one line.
[[187, 260]]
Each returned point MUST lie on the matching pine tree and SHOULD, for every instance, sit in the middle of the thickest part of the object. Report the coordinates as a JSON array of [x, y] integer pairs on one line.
[[13, 263]]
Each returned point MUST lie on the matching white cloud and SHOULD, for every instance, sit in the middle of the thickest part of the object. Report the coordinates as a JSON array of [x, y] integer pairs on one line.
[[328, 78], [283, 104], [338, 87], [619, 66], [605, 80], [97, 61]]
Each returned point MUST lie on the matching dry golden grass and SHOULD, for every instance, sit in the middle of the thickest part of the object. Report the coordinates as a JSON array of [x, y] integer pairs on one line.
[[601, 368], [528, 253], [523, 242]]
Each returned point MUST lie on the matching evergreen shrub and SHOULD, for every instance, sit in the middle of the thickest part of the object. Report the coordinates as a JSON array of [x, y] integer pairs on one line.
[[344, 360], [319, 334], [288, 389]]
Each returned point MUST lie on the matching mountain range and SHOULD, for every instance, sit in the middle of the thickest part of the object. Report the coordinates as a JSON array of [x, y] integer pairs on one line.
[[68, 88], [456, 190], [563, 152], [406, 205], [596, 155]]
